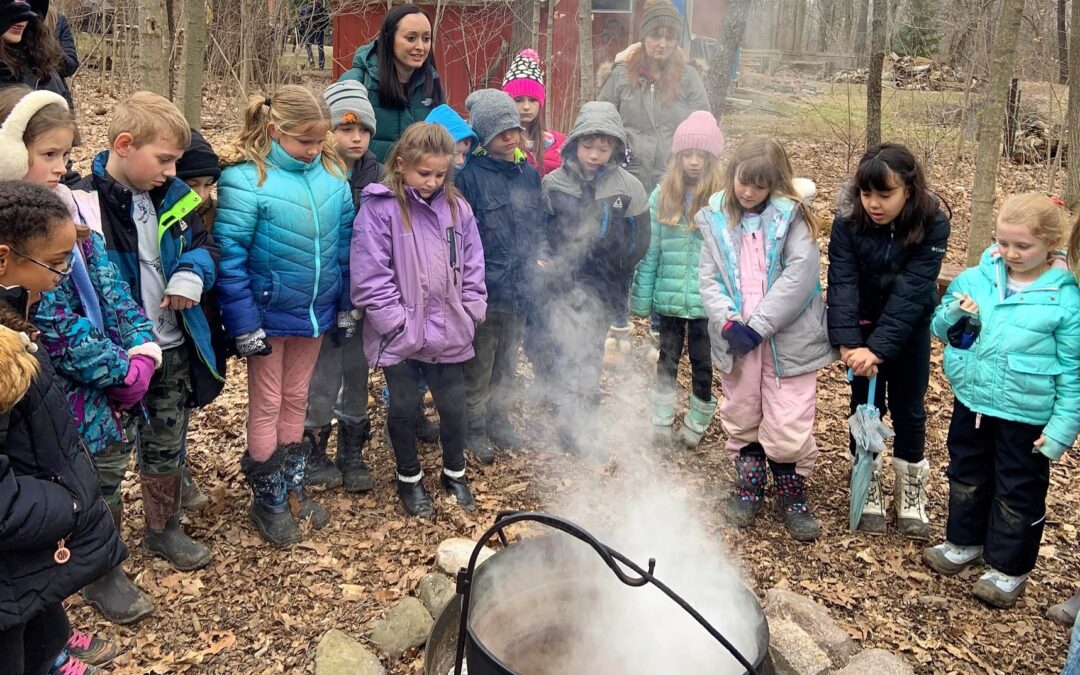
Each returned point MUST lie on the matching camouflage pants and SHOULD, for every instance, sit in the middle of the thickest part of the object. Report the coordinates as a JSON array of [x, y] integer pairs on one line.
[[159, 435]]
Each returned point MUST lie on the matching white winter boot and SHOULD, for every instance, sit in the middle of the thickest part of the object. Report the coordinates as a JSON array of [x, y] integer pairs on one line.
[[873, 515], [617, 346], [909, 498]]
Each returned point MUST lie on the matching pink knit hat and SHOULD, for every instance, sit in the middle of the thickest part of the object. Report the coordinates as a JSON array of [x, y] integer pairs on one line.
[[699, 132], [525, 77]]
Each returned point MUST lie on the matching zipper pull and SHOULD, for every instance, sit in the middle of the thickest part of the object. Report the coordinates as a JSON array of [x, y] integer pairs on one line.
[[62, 554], [978, 420]]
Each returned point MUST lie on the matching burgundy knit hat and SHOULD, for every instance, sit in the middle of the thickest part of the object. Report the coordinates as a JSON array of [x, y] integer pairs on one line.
[[699, 132], [525, 77]]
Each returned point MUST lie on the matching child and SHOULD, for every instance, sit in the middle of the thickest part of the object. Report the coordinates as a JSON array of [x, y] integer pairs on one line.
[[465, 139], [504, 192], [598, 230], [168, 260], [760, 288], [418, 276], [524, 82], [885, 252], [666, 280], [339, 384], [284, 223], [57, 535], [1016, 382]]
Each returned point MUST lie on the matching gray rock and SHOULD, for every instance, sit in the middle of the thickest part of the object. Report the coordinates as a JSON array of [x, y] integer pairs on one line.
[[406, 625], [435, 590], [794, 652], [814, 619], [453, 554], [339, 654], [877, 662]]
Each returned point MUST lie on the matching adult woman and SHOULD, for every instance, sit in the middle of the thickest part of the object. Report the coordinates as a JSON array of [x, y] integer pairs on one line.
[[398, 70], [29, 53]]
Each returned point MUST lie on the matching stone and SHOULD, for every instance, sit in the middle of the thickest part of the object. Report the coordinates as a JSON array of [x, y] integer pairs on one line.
[[339, 654], [877, 662], [406, 625], [794, 652], [935, 601], [435, 590], [453, 554], [814, 619]]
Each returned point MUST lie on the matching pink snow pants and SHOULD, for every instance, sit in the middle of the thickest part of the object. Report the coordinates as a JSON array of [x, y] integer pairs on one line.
[[277, 394]]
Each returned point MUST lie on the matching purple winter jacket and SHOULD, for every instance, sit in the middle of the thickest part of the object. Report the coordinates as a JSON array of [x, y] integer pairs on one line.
[[421, 299]]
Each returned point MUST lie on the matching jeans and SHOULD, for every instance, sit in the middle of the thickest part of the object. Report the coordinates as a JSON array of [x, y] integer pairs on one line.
[[447, 384], [32, 647], [315, 38], [489, 375], [674, 332]]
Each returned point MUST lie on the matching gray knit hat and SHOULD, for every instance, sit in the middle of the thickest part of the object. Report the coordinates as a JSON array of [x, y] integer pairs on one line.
[[349, 104], [491, 112], [661, 14]]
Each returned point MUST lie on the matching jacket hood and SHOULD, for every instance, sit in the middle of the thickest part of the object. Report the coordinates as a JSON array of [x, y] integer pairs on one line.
[[447, 117], [366, 60], [596, 117], [994, 268], [20, 367]]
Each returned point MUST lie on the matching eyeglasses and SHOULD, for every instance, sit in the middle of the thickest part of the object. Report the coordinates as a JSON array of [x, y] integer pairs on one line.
[[63, 274]]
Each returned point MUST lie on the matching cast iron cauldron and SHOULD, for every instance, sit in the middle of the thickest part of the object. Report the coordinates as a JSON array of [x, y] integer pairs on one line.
[[522, 605]]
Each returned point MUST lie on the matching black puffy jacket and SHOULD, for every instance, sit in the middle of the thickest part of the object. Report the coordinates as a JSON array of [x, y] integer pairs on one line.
[[48, 492], [879, 288]]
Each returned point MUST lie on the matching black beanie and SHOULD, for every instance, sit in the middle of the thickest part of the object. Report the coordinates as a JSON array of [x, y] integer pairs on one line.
[[199, 160]]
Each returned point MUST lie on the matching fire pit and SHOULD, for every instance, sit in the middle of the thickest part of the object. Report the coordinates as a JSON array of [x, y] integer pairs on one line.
[[566, 603]]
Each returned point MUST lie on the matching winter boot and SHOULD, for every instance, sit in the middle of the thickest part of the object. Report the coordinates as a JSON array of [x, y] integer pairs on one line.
[[478, 443], [998, 589], [790, 489], [697, 420], [1064, 613], [165, 536], [873, 515], [269, 509], [414, 497], [909, 498], [617, 346], [91, 649], [663, 417], [458, 489], [320, 471], [350, 456], [114, 595], [502, 434], [948, 558], [191, 497], [426, 430], [751, 477], [303, 507]]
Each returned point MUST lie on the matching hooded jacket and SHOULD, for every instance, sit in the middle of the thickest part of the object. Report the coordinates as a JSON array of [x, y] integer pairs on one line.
[[284, 247], [421, 289], [1024, 366], [666, 280], [459, 129], [598, 229], [425, 92]]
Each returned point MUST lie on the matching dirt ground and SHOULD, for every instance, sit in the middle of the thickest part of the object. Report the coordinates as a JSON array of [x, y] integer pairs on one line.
[[259, 610]]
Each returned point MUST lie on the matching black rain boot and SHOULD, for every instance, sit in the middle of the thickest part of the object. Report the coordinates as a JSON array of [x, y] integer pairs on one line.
[[114, 595], [502, 434], [458, 490], [191, 497], [791, 498], [478, 443], [426, 430], [751, 477], [350, 456], [165, 535], [414, 498], [303, 507], [320, 471], [269, 508]]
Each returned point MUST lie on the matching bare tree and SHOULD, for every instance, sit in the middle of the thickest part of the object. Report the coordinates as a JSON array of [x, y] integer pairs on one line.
[[1062, 44], [860, 27], [1072, 183], [1002, 60], [155, 46], [727, 51], [585, 54], [192, 68], [873, 80]]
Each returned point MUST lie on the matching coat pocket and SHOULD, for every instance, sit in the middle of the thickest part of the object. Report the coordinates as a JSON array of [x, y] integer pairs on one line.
[[1033, 387]]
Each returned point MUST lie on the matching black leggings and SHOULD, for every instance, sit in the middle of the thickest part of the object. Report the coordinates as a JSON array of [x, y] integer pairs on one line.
[[447, 384], [695, 333], [31, 648]]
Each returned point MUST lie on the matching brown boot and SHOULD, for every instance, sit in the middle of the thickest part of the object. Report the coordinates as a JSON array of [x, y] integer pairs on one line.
[[114, 595], [165, 536]]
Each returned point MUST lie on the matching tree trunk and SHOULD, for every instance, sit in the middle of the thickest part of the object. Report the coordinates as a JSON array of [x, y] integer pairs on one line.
[[534, 27], [1062, 44], [586, 70], [860, 28], [520, 27], [873, 79], [1072, 183], [825, 24], [727, 51], [1002, 61], [154, 46], [194, 53]]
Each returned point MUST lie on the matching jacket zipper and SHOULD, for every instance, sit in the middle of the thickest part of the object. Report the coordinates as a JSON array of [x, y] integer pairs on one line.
[[318, 254]]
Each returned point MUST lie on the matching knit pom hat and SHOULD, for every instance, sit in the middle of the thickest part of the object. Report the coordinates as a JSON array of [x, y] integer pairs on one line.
[[661, 14], [14, 157], [199, 160], [349, 104], [525, 77], [699, 131], [491, 112]]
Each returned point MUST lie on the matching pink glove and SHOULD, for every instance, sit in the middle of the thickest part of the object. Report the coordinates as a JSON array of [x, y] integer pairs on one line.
[[136, 383]]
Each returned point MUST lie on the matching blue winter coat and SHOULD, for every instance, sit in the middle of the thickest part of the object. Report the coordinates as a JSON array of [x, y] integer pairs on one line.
[[284, 247], [1025, 364]]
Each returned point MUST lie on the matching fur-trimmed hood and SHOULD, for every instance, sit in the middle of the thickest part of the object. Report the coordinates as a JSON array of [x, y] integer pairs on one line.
[[18, 367]]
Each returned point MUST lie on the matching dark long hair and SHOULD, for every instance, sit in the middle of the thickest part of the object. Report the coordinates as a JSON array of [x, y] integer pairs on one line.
[[38, 52], [875, 169], [392, 93]]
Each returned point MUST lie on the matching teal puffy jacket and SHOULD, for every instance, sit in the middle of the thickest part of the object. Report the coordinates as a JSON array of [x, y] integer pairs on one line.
[[666, 280], [1025, 364]]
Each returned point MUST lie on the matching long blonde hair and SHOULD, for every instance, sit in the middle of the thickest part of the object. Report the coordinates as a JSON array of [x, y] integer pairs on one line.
[[673, 203], [289, 108], [419, 141], [764, 162]]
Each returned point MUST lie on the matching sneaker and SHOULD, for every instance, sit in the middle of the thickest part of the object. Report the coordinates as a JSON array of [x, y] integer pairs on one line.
[[947, 558], [73, 666], [998, 589], [90, 650]]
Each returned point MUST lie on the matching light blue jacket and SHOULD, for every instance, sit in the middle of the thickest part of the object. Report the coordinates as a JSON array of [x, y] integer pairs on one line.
[[284, 247], [1025, 364]]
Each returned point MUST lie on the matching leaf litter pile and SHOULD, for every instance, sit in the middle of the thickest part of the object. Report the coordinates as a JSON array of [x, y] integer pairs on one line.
[[256, 609]]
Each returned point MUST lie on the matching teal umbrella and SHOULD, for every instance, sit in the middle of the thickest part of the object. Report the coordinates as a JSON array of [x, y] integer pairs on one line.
[[870, 434]]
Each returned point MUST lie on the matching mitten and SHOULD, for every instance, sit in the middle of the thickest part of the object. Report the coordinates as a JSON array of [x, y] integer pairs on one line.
[[741, 338], [136, 383], [253, 344], [347, 322]]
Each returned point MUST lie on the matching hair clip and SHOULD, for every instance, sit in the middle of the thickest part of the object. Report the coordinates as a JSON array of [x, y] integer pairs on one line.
[[266, 101], [1057, 200]]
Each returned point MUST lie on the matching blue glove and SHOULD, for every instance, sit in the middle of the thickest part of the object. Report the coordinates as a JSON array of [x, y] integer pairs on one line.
[[741, 338]]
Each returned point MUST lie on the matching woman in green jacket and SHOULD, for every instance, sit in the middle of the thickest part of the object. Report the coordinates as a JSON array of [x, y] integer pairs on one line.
[[398, 70]]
